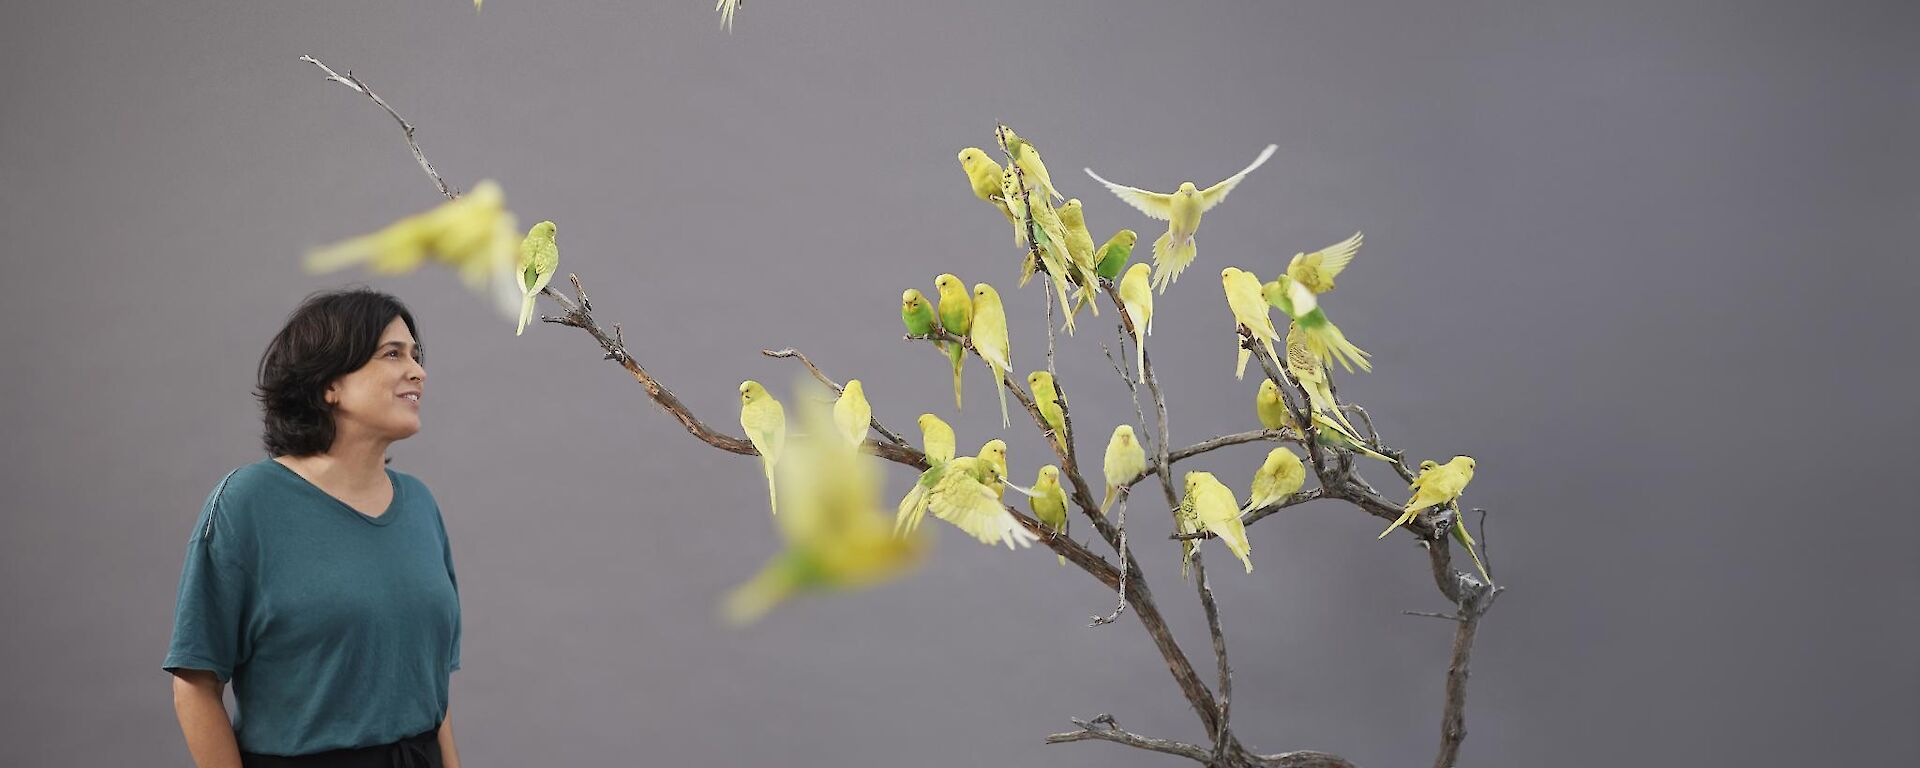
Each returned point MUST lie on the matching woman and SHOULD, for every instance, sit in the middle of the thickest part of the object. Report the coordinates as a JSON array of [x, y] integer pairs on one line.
[[317, 580]]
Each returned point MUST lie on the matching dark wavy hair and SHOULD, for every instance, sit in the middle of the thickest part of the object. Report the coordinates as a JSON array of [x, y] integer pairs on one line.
[[330, 335]]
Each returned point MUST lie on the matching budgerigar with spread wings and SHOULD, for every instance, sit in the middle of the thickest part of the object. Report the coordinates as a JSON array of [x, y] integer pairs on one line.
[[1181, 209]]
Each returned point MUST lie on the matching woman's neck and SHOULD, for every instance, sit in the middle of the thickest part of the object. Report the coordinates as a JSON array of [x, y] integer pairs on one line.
[[348, 465]]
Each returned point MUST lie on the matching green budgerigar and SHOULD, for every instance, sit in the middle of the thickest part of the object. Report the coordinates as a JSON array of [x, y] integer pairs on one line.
[[1113, 254], [990, 339], [1279, 477], [539, 258], [917, 314], [956, 316], [1047, 398], [765, 422], [1322, 336], [1125, 459], [1049, 502], [1181, 209]]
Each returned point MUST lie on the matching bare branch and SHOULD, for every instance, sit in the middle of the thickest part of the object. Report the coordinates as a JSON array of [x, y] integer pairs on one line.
[[837, 388], [1104, 728], [1222, 738], [357, 84], [1126, 572]]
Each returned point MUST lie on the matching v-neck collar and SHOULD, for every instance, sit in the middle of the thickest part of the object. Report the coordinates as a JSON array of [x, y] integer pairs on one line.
[[384, 518]]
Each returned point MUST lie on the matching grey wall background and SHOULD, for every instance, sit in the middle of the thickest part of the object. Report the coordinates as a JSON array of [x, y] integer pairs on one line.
[[1651, 264]]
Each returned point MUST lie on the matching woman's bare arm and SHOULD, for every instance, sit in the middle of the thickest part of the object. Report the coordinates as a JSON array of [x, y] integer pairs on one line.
[[449, 757], [203, 719]]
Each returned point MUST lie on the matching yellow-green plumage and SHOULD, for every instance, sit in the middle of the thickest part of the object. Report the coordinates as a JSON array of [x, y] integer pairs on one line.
[[1279, 477], [1082, 263], [1316, 270], [1125, 460], [1182, 210], [1313, 375], [1208, 505], [989, 337], [1136, 297], [473, 234], [983, 174], [765, 422], [1250, 311], [936, 438], [1028, 158], [994, 452], [852, 413], [539, 258], [1436, 486], [1271, 408], [1049, 502], [1322, 336], [956, 316], [1046, 397], [1113, 254]]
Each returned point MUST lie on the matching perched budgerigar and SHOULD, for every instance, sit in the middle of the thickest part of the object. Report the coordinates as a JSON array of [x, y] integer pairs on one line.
[[1278, 477], [956, 316], [1028, 159], [1052, 249], [1049, 502], [1125, 460], [852, 413], [765, 422], [1181, 210], [1313, 375], [1323, 338], [1316, 270], [1250, 311], [1137, 299], [1329, 433], [960, 492], [1271, 408], [917, 314], [473, 234], [1046, 397], [836, 533], [1437, 485], [989, 337], [1113, 254], [995, 452], [539, 257], [1210, 506], [984, 175], [936, 438], [1083, 263]]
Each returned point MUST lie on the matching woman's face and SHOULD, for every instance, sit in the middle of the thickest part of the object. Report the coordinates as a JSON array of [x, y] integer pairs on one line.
[[371, 399]]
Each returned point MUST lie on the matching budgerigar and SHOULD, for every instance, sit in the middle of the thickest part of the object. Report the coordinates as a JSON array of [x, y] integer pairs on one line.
[[1137, 299], [1113, 254], [727, 9], [1329, 433], [1125, 460], [917, 314], [1083, 263], [1322, 336], [1052, 247], [1250, 311], [1046, 397], [1436, 485], [473, 234], [852, 413], [984, 175], [765, 422], [1279, 477], [989, 337], [1049, 502], [1316, 270], [956, 316], [1271, 408], [995, 452], [1181, 210], [1211, 506], [836, 534], [1028, 159], [1312, 374], [539, 258], [936, 438], [960, 492]]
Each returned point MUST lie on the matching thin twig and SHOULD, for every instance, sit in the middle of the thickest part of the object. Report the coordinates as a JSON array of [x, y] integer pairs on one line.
[[357, 84], [1221, 738], [1126, 572], [1104, 728], [1133, 390], [837, 388], [1447, 616]]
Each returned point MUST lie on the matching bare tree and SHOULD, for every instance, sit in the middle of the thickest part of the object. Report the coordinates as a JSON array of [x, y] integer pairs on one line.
[[1333, 468]]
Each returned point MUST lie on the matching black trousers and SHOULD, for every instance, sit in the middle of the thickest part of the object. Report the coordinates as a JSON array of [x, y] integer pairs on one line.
[[417, 751]]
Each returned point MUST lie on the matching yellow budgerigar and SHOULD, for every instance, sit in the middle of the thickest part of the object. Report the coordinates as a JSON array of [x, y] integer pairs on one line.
[[956, 317], [473, 234], [851, 412], [1125, 459], [984, 176], [960, 492], [1083, 261], [1052, 248], [1047, 398], [1329, 433], [1208, 505], [1181, 210], [1312, 374], [936, 438], [1322, 336], [1437, 485], [765, 422], [1271, 408], [1250, 311], [727, 9], [1280, 476], [1028, 159], [990, 340], [1316, 270], [539, 258], [1137, 299], [995, 452], [1049, 502], [835, 532]]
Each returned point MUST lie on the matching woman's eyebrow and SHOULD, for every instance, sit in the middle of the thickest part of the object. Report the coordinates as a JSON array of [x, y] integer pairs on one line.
[[401, 344]]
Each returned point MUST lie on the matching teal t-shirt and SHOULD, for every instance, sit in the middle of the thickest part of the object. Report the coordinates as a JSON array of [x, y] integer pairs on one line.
[[336, 629]]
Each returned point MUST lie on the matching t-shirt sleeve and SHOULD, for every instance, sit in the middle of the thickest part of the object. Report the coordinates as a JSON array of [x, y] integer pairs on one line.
[[210, 609]]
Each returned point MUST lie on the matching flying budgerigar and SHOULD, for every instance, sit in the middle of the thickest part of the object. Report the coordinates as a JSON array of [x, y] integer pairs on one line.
[[1125, 460], [727, 9], [989, 337], [1278, 477], [1137, 299], [960, 492], [956, 316], [1047, 398], [851, 412], [1316, 270], [1181, 210], [835, 531], [765, 422], [983, 174], [1323, 338], [472, 234], [539, 258], [936, 439], [1312, 374], [1250, 311], [1210, 506], [1049, 502]]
